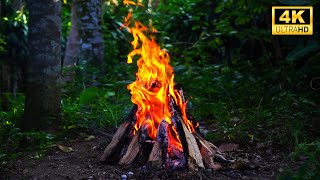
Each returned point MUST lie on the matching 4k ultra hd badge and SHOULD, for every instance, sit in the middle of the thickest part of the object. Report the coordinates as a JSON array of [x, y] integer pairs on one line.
[[292, 20]]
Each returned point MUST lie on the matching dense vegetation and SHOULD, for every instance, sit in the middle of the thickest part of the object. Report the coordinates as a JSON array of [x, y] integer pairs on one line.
[[252, 86]]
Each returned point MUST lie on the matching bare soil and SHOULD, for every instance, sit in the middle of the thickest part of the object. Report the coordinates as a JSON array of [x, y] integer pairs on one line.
[[258, 162]]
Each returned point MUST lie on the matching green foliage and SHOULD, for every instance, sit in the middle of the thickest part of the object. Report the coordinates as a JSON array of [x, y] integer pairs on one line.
[[2, 44], [302, 51], [13, 140], [13, 26], [247, 106], [88, 95], [96, 107], [308, 154]]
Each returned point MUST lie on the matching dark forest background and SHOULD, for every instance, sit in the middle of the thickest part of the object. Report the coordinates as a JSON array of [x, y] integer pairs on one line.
[[67, 73]]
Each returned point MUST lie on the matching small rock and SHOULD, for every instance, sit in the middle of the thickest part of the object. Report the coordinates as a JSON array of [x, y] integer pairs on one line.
[[235, 174], [280, 170], [25, 171], [90, 166], [90, 177], [130, 173], [143, 168], [124, 177]]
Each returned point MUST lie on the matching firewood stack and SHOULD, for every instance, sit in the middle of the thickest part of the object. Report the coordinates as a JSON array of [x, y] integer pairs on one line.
[[129, 146]]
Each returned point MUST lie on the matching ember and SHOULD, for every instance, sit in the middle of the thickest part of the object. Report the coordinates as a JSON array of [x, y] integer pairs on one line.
[[158, 131]]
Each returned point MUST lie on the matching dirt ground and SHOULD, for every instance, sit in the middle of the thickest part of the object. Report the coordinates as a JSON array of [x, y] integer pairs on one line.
[[259, 162]]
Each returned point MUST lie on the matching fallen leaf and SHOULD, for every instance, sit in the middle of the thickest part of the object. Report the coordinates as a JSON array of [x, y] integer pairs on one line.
[[72, 127], [251, 136], [235, 119], [243, 164], [228, 147], [89, 138], [65, 149], [239, 166]]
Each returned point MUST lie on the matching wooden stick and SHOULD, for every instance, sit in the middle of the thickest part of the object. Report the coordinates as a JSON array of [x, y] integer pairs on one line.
[[209, 144], [119, 136], [216, 152], [132, 151], [160, 146], [155, 157], [208, 154], [194, 158], [116, 139]]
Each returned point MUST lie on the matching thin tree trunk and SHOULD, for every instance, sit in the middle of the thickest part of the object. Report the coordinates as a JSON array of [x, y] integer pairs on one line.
[[4, 86], [10, 70], [72, 49], [90, 32], [42, 107]]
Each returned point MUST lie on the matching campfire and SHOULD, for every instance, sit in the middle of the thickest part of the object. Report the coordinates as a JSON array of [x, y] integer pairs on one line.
[[158, 132]]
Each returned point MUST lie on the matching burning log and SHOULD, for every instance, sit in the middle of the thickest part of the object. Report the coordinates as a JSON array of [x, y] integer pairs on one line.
[[194, 159], [115, 142], [132, 150], [155, 157], [160, 146], [196, 153]]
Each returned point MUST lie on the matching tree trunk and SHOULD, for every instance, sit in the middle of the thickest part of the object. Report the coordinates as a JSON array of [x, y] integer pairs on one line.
[[90, 32], [72, 49], [42, 107], [10, 67]]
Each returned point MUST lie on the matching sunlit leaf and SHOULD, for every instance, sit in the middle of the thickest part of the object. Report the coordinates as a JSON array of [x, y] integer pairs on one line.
[[89, 138], [88, 95], [65, 148], [109, 94]]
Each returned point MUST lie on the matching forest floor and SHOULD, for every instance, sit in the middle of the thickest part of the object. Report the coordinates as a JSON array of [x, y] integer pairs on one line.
[[261, 161]]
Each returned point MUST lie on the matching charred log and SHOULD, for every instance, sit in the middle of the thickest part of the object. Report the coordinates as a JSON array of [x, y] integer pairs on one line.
[[159, 149]]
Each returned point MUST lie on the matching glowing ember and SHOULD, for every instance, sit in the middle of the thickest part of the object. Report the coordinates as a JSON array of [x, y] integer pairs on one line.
[[154, 84]]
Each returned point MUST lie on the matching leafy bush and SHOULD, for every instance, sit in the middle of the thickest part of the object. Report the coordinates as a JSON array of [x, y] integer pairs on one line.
[[13, 140], [96, 107], [308, 154]]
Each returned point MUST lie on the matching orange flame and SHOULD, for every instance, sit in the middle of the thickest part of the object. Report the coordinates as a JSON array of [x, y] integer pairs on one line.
[[154, 84]]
